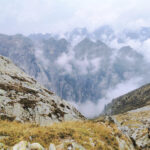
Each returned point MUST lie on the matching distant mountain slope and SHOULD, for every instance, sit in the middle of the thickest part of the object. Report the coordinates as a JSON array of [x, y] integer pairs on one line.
[[21, 51], [133, 100], [25, 100]]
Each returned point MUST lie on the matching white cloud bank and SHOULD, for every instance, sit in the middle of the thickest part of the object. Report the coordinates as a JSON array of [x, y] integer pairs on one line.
[[91, 109], [83, 66], [26, 16], [142, 47]]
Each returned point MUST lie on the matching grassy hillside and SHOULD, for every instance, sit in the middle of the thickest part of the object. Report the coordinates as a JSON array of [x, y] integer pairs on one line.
[[89, 134]]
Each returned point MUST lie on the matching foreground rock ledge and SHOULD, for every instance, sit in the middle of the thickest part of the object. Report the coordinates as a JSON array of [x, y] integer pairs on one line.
[[24, 100]]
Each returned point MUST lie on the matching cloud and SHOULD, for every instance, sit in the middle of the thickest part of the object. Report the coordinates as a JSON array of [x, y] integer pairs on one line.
[[76, 39], [67, 61], [142, 47], [64, 61], [39, 54], [34, 16], [145, 49], [95, 64], [91, 109], [124, 87]]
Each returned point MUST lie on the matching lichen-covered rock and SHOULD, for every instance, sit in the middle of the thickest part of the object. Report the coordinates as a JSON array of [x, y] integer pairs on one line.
[[23, 145], [69, 145], [23, 99], [123, 145], [36, 146], [52, 147], [136, 125]]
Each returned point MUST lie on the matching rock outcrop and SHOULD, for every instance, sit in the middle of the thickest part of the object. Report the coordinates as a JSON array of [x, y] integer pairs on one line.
[[136, 124], [24, 100]]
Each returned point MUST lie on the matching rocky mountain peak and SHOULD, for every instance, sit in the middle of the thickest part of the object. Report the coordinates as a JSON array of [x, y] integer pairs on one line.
[[23, 99]]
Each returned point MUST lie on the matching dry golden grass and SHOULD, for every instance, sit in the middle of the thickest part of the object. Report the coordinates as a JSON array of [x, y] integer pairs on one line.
[[102, 135]]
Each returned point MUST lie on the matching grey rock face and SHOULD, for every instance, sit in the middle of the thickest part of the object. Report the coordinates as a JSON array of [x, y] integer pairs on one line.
[[23, 99]]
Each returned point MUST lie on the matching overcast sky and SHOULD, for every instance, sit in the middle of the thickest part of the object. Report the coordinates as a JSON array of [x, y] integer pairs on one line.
[[45, 16]]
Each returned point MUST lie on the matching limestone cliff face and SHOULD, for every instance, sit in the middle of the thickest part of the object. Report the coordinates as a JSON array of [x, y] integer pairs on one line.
[[23, 99]]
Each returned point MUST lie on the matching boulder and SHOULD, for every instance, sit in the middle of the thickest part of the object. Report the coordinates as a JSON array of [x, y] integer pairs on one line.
[[36, 146], [23, 145], [52, 147]]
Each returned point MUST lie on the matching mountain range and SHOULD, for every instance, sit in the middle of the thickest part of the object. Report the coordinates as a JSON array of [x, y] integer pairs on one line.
[[82, 66]]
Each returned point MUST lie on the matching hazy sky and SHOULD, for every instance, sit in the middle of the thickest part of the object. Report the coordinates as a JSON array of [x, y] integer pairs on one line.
[[32, 16]]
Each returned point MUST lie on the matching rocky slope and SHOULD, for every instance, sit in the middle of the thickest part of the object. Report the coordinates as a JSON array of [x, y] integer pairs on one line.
[[23, 99], [136, 124], [131, 113], [133, 100]]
